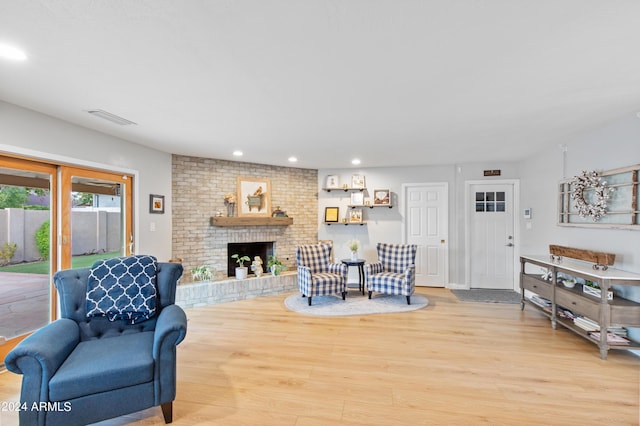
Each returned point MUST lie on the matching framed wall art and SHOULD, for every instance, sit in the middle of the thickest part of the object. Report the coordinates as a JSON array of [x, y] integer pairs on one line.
[[601, 199], [254, 197], [357, 181], [357, 198], [156, 204], [355, 216], [331, 214], [333, 181], [381, 197]]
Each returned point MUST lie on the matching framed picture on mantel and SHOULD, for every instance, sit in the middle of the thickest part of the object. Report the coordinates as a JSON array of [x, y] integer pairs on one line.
[[254, 197]]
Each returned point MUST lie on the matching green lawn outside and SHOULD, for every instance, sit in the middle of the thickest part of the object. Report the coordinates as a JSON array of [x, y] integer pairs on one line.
[[43, 267]]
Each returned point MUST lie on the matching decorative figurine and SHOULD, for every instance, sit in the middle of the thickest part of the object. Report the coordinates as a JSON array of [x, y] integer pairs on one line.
[[256, 266]]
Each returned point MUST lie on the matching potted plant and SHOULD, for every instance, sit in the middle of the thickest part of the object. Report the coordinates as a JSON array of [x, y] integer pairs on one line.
[[275, 265], [241, 270], [353, 246], [201, 273]]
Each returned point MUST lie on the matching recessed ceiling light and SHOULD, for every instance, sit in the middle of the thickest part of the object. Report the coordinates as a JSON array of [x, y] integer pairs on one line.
[[237, 153], [355, 161], [292, 159], [12, 52]]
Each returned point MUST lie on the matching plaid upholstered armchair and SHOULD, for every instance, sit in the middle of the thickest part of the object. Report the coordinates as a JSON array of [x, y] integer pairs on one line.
[[317, 276], [395, 271]]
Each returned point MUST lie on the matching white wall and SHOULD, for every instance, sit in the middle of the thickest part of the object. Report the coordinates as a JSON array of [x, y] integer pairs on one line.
[[610, 147], [385, 225], [616, 145], [33, 134], [613, 146]]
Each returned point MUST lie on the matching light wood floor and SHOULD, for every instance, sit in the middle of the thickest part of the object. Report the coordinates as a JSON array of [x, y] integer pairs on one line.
[[254, 362]]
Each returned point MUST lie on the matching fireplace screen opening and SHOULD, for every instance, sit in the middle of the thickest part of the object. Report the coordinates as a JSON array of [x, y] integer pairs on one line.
[[263, 249]]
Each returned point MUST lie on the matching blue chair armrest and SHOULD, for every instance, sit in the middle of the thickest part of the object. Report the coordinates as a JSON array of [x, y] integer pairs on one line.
[[171, 328], [40, 355]]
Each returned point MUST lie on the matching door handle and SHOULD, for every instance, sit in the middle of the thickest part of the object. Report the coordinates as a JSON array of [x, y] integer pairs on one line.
[[509, 245]]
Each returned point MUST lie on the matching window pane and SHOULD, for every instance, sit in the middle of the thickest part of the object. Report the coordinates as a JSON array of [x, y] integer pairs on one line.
[[500, 196], [479, 196]]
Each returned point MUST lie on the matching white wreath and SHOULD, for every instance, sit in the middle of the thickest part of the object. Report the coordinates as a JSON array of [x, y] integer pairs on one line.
[[590, 180]]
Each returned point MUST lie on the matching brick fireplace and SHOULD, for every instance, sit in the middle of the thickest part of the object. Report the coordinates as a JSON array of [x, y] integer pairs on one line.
[[199, 186]]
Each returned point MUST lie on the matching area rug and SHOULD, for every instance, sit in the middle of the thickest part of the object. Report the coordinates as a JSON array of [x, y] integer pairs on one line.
[[355, 304], [487, 296]]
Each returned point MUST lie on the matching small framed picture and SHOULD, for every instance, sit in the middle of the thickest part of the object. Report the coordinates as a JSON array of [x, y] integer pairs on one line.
[[355, 215], [331, 214], [333, 181], [156, 203], [381, 197], [357, 198], [357, 181]]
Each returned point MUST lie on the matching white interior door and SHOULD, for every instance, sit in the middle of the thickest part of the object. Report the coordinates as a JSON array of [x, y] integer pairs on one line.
[[491, 235], [426, 225]]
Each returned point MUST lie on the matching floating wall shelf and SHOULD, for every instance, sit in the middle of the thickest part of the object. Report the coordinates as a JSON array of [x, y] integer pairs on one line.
[[251, 221]]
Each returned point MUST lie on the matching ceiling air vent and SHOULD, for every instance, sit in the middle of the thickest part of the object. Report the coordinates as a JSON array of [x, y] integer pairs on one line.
[[111, 117]]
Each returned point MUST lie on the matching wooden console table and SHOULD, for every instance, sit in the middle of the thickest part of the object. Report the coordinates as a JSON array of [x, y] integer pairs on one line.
[[617, 312]]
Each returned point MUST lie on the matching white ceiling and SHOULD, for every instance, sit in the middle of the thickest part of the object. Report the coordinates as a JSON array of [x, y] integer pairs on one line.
[[393, 82]]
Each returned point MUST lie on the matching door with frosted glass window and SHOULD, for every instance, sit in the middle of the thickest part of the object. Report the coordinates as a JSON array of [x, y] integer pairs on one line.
[[491, 236]]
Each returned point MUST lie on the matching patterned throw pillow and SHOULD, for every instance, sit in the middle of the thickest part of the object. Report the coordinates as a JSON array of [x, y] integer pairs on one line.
[[123, 288]]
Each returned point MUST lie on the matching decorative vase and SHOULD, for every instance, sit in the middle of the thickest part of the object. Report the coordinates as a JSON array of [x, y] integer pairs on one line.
[[354, 255], [241, 273], [231, 209], [275, 270]]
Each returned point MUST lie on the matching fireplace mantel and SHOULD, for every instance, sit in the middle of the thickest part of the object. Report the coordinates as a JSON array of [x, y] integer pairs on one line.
[[251, 221]]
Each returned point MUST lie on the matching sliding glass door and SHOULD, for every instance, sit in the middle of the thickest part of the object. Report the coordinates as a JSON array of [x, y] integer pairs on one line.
[[54, 217]]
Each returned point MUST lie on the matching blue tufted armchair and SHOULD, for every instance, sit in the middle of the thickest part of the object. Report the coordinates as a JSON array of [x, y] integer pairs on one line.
[[394, 272], [79, 370]]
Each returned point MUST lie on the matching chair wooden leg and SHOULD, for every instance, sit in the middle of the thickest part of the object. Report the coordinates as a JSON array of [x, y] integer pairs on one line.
[[309, 300], [167, 411], [408, 300], [370, 294]]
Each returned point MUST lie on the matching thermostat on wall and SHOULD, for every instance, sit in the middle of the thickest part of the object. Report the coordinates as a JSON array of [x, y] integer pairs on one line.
[[527, 213]]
